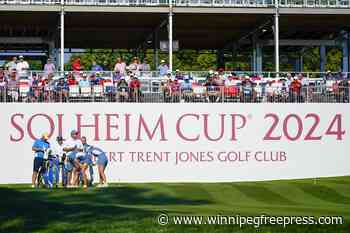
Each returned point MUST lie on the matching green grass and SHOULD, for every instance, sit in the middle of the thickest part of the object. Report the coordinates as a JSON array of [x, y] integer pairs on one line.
[[134, 207]]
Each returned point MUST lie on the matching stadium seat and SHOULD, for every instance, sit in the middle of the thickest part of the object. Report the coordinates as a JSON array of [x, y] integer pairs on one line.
[[85, 93], [98, 93], [73, 92]]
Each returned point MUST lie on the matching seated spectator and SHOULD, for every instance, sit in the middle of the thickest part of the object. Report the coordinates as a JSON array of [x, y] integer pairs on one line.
[[71, 80], [49, 67], [221, 73], [123, 90], [117, 76], [186, 85], [230, 81], [122, 83], [96, 79], [61, 89], [178, 75], [84, 82], [210, 82], [96, 67], [134, 83]]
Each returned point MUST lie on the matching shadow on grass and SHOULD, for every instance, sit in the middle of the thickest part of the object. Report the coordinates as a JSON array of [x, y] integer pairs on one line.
[[263, 194], [324, 193], [36, 210]]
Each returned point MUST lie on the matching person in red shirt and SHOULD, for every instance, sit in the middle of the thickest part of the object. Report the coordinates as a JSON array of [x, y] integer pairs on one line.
[[135, 88], [71, 80], [76, 65], [295, 89]]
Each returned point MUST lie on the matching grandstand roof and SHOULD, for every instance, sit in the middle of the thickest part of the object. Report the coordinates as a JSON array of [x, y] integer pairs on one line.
[[194, 30]]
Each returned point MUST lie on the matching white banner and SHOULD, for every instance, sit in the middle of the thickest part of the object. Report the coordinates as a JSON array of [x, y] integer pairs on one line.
[[187, 142]]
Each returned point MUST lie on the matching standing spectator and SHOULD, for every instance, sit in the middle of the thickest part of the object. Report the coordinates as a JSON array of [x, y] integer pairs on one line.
[[3, 84], [49, 67], [76, 65], [12, 65], [134, 66], [120, 66], [22, 67], [12, 87], [144, 66], [295, 89], [2, 72], [96, 67], [135, 88], [163, 68]]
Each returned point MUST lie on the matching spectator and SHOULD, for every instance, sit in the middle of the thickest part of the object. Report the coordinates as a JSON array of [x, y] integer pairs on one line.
[[133, 67], [2, 87], [71, 80], [117, 76], [62, 89], [120, 66], [84, 82], [49, 67], [76, 65], [295, 88], [144, 67], [178, 75], [96, 67], [2, 72], [135, 88], [22, 67], [329, 75], [186, 85], [12, 86], [12, 65], [163, 68]]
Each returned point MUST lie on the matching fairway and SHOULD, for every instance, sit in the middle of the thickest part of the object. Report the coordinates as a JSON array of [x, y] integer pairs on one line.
[[134, 207]]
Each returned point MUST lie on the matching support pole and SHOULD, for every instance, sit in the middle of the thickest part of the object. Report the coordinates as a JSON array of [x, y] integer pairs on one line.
[[170, 31], [277, 49], [345, 53], [155, 49], [323, 58], [62, 37]]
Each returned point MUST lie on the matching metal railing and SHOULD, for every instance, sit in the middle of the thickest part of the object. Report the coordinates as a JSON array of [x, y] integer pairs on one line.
[[191, 87], [191, 3]]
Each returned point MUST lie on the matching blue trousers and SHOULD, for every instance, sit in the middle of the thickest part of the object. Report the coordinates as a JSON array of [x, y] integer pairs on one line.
[[54, 172]]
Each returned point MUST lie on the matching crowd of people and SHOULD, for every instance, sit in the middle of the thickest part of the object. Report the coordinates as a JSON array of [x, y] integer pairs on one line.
[[70, 162], [124, 84]]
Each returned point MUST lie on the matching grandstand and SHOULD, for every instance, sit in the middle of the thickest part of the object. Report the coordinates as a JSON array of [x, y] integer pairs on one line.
[[52, 28]]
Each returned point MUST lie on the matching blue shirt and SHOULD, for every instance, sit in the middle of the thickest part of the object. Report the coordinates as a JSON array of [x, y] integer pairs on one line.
[[97, 68], [163, 70], [42, 145]]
